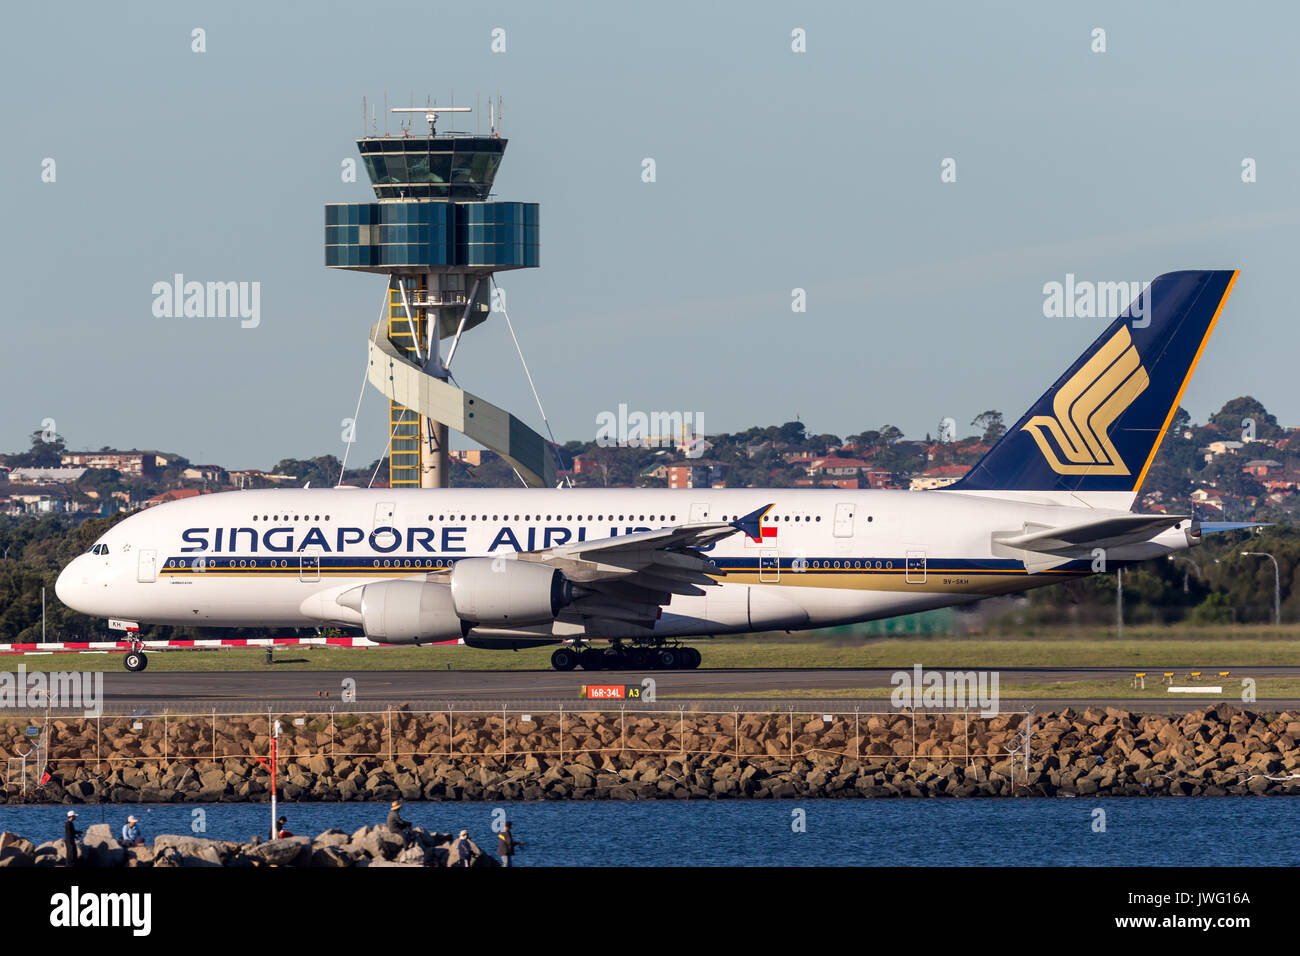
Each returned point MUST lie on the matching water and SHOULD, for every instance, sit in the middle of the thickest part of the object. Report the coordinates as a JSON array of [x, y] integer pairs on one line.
[[1189, 831]]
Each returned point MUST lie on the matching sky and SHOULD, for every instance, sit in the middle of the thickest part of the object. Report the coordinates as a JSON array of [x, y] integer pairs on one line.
[[775, 170]]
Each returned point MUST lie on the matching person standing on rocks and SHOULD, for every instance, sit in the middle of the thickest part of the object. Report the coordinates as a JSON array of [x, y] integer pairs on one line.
[[464, 850], [397, 824], [506, 844], [70, 834], [131, 835]]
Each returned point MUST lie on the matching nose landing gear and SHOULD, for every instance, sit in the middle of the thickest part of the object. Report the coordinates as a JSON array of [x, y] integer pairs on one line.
[[135, 659]]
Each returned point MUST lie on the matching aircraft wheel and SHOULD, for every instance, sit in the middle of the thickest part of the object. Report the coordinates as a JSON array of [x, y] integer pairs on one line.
[[668, 659], [693, 658], [564, 659], [592, 659], [639, 658], [135, 661]]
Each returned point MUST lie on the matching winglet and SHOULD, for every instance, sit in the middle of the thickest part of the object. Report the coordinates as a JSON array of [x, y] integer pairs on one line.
[[752, 523]]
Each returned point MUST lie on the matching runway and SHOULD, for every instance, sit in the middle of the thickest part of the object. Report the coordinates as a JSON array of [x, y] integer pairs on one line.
[[808, 688]]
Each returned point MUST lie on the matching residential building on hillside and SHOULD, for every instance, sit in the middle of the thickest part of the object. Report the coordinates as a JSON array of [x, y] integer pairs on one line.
[[140, 464]]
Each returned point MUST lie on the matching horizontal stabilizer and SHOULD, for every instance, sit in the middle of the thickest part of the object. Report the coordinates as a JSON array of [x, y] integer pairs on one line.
[[1099, 532], [1210, 527]]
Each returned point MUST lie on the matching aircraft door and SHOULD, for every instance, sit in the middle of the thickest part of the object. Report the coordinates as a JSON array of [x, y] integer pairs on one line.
[[147, 569], [769, 567], [915, 567], [843, 527], [309, 567], [384, 514], [699, 512]]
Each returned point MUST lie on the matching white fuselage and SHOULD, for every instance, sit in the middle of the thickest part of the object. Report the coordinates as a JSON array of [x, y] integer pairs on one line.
[[279, 558]]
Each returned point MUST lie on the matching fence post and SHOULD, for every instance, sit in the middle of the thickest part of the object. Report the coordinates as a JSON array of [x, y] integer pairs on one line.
[[622, 731], [98, 744], [561, 735], [164, 747], [857, 738], [735, 714], [214, 735], [913, 733], [681, 727], [388, 720]]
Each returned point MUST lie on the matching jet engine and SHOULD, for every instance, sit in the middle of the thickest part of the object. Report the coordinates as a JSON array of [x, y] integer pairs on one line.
[[407, 612], [487, 592], [503, 592]]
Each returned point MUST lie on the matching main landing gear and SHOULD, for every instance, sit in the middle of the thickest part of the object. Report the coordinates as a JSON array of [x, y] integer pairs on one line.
[[619, 656]]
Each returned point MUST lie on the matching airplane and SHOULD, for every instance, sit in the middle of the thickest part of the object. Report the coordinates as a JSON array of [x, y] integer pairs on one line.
[[620, 578]]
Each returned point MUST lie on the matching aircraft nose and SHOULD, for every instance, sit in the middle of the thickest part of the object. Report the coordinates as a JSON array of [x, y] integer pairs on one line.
[[71, 584]]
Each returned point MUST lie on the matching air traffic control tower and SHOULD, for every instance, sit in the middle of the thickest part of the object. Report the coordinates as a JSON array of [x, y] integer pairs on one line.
[[435, 235]]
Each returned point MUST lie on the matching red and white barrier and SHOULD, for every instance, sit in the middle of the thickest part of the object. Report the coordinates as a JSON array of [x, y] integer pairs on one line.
[[121, 647]]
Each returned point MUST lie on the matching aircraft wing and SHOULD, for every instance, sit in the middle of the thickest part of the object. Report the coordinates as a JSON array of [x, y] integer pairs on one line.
[[627, 579]]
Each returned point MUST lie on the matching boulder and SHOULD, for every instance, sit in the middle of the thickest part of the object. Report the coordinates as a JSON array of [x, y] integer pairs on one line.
[[291, 851], [331, 838], [101, 847], [477, 856], [330, 855], [202, 849]]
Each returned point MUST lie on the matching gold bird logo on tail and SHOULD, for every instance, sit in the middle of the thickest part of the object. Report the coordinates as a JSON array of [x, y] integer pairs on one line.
[[1086, 406]]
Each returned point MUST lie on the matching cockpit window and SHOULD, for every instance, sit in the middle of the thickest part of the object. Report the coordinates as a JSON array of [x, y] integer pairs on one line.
[[99, 549]]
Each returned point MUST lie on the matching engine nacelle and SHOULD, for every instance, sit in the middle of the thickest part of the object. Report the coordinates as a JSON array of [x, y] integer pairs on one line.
[[504, 592], [409, 612]]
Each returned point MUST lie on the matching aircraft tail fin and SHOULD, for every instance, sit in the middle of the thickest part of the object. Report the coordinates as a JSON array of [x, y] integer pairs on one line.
[[1098, 427]]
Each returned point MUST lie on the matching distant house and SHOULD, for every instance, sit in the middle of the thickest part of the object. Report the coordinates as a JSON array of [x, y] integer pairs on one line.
[[212, 473], [467, 456], [792, 453], [694, 447], [133, 463], [1262, 467], [877, 478], [1216, 448], [836, 467], [38, 503], [939, 477], [175, 494], [846, 484], [255, 478], [698, 474], [45, 476]]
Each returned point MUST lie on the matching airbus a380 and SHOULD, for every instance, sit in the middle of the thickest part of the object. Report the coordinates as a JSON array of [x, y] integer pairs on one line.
[[619, 577]]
